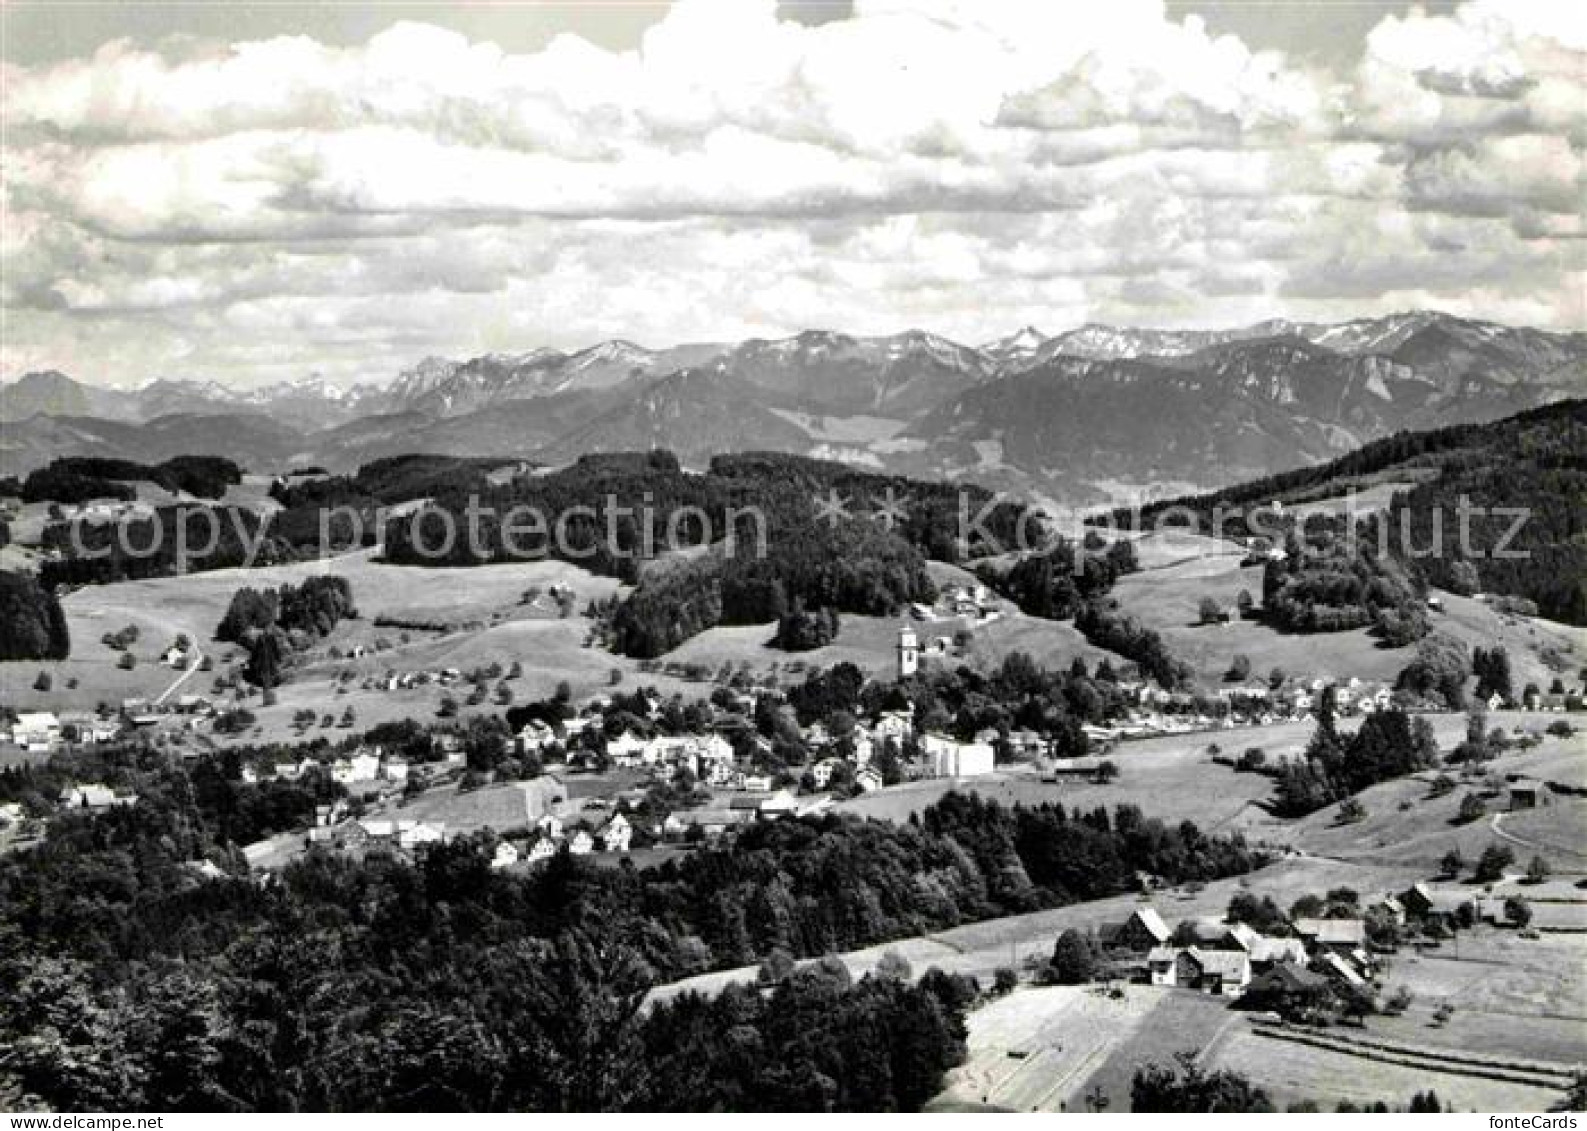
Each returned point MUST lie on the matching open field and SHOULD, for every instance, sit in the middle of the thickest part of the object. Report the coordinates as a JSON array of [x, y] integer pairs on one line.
[[483, 603], [1294, 1072], [1035, 1049], [1174, 777], [1178, 570], [1406, 823], [1169, 777], [1181, 1022]]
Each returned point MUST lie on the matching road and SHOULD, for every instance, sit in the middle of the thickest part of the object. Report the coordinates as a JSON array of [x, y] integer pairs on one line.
[[196, 658]]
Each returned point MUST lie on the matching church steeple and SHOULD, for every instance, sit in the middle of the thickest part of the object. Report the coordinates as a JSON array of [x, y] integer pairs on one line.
[[908, 652]]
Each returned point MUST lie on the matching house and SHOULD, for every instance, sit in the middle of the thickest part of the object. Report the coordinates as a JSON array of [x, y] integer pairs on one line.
[[1526, 794], [1160, 962], [616, 834], [1335, 936], [36, 731], [946, 758], [581, 843], [626, 749], [1223, 973], [541, 849], [505, 856], [1141, 932], [1269, 952], [821, 773], [394, 769], [11, 814], [868, 779], [1337, 968], [550, 826], [91, 795], [1288, 986], [174, 657], [1075, 767], [533, 738], [1422, 902], [897, 725], [766, 806]]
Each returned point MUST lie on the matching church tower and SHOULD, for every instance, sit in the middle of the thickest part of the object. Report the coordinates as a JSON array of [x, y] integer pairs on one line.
[[908, 652]]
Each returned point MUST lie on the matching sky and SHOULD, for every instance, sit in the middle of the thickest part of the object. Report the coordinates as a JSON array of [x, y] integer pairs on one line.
[[263, 192]]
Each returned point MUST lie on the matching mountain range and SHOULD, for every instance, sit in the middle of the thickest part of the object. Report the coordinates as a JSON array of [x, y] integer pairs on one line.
[[1095, 414]]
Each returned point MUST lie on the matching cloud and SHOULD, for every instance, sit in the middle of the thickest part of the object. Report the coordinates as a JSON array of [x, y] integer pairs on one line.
[[966, 166]]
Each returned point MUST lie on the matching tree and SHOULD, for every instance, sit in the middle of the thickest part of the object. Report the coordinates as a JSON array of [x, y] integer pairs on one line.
[[1518, 911], [1245, 604], [1537, 870], [127, 662], [43, 682], [893, 967], [1492, 863], [1452, 863], [1157, 1088], [779, 964], [1472, 808], [1351, 810], [1075, 958], [1239, 668], [1208, 611], [1107, 771]]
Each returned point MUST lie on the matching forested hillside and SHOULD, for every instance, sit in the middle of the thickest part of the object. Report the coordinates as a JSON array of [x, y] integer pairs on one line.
[[1517, 485], [130, 982]]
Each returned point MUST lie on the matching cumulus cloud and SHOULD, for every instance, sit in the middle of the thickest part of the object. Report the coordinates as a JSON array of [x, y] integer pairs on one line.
[[253, 210]]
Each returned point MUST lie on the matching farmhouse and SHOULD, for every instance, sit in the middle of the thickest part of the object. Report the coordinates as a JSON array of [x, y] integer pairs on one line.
[[1338, 936], [1141, 932], [1528, 794], [1225, 973]]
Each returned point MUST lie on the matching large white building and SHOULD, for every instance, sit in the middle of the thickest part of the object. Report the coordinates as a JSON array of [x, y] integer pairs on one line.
[[946, 758]]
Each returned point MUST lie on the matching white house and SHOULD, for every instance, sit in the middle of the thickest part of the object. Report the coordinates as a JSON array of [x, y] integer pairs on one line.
[[821, 773], [505, 856], [550, 825], [868, 778], [626, 749], [949, 759], [542, 849], [616, 834], [533, 738], [581, 843], [897, 725], [36, 731], [91, 795]]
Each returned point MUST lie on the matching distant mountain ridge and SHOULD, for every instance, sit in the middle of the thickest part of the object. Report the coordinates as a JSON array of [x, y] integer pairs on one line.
[[1088, 415]]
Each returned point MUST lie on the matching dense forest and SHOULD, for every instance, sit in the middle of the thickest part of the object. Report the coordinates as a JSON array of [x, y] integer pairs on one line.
[[1388, 744], [129, 981], [1482, 477], [173, 540], [1331, 582], [740, 544], [272, 623], [78, 479], [34, 625], [1054, 583]]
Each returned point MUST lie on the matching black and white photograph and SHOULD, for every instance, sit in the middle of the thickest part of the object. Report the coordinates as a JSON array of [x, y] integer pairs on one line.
[[832, 556]]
